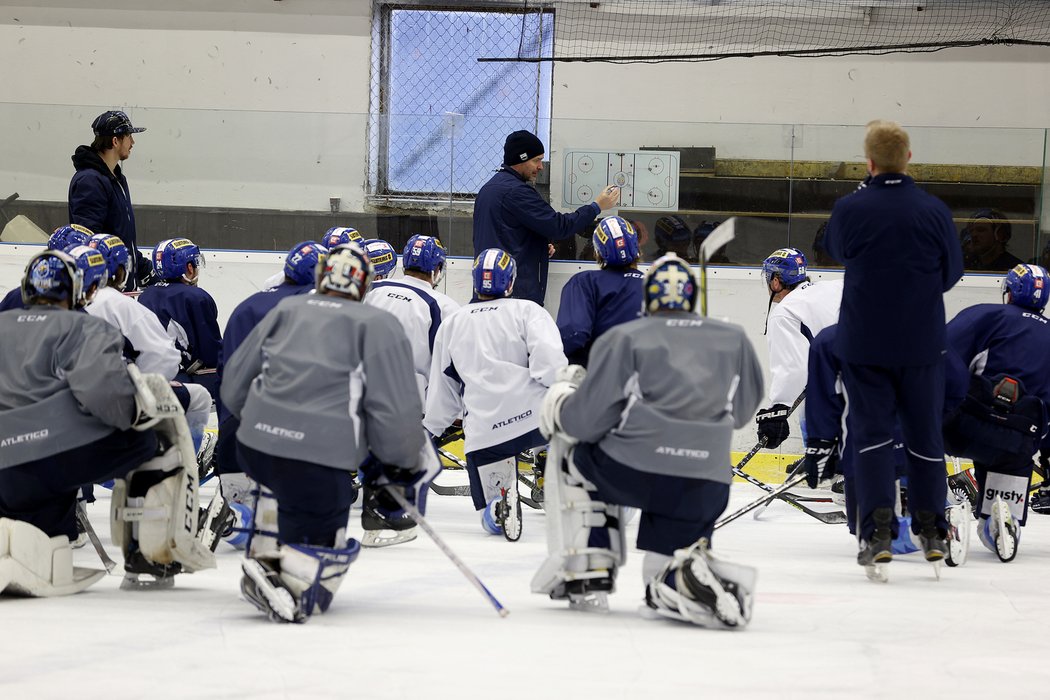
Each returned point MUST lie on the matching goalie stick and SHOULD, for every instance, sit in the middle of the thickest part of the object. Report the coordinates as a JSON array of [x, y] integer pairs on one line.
[[421, 521], [722, 235]]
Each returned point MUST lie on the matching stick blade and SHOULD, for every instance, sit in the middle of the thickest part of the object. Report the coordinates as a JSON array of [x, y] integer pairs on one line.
[[722, 235]]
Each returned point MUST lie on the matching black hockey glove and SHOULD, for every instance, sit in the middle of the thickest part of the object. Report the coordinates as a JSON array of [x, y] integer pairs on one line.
[[821, 461], [773, 425]]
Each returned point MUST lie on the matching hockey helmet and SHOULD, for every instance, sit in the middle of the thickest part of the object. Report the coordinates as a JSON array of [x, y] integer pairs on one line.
[[1026, 286], [340, 235], [789, 264], [615, 241], [300, 266], [669, 285], [170, 257], [115, 253], [65, 236], [346, 270], [52, 275], [383, 257], [93, 270], [494, 273]]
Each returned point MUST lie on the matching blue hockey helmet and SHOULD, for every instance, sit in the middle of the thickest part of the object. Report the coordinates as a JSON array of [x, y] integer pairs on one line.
[[115, 253], [789, 264], [170, 258], [423, 253], [669, 285], [383, 257], [672, 229], [494, 273], [615, 242], [52, 275], [300, 266], [1027, 286], [340, 235], [93, 271], [346, 270], [65, 236]]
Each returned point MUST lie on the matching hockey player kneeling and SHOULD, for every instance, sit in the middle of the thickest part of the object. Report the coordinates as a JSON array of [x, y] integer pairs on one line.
[[322, 385], [68, 411], [650, 427]]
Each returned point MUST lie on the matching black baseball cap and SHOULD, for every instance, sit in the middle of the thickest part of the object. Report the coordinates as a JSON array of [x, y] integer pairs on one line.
[[113, 123]]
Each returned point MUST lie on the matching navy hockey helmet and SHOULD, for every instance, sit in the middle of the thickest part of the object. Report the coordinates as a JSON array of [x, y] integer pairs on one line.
[[346, 270], [65, 236], [669, 285], [494, 273], [789, 264], [383, 257], [425, 254], [672, 229], [93, 271], [1026, 286], [115, 253], [340, 235], [170, 257], [300, 265], [615, 241], [52, 275]]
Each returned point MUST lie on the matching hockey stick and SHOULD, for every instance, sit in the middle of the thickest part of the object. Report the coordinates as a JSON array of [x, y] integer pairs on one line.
[[795, 478], [82, 520], [418, 517], [450, 490], [738, 469], [721, 236], [461, 464]]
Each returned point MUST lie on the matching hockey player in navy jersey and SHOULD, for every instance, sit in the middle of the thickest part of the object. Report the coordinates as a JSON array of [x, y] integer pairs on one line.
[[383, 257], [186, 311], [894, 238], [594, 301], [650, 427], [493, 361], [304, 430], [75, 414], [62, 238], [803, 309], [1002, 350]]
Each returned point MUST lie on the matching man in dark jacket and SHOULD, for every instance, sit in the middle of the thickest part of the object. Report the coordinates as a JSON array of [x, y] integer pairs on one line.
[[901, 253], [99, 197], [510, 214]]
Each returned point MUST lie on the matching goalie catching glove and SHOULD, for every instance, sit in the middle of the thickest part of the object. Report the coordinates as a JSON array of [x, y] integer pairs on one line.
[[566, 381], [822, 460]]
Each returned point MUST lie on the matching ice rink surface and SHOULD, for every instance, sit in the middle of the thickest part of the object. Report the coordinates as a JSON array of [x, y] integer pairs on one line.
[[407, 624]]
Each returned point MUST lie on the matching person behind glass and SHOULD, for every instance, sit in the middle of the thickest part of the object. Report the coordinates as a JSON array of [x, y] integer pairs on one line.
[[509, 214], [673, 235], [700, 234], [984, 242], [99, 197], [894, 237], [820, 253]]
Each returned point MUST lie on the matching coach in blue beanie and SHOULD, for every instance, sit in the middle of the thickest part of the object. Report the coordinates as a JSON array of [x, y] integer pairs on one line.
[[510, 214]]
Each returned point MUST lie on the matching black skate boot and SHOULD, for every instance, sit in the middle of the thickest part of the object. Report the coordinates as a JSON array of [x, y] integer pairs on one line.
[[932, 539], [962, 487], [877, 551], [383, 531], [1040, 501]]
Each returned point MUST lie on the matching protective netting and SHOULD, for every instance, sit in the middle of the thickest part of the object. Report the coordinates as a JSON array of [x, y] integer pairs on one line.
[[702, 30]]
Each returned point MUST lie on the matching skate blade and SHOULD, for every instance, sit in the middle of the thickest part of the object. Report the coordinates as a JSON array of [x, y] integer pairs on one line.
[[593, 602], [146, 582], [937, 563], [277, 603], [387, 538], [877, 573]]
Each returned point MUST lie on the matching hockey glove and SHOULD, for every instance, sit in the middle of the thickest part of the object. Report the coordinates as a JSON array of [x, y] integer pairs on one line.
[[566, 381], [412, 483], [821, 460], [773, 425]]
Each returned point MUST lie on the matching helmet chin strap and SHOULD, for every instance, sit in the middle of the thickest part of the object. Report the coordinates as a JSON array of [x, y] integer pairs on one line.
[[765, 326]]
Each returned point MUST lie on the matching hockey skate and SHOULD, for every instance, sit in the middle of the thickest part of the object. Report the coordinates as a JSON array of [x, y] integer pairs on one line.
[[932, 540], [1000, 532], [838, 490], [263, 588], [958, 517], [382, 530], [206, 457], [502, 515], [963, 487], [877, 552], [216, 521], [1040, 501], [140, 574], [698, 588]]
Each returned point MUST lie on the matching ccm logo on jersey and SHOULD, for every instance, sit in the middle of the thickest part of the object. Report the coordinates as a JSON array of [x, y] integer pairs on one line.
[[24, 437], [391, 295], [280, 432], [32, 318], [676, 322], [484, 308], [515, 419], [1007, 496], [682, 452], [1037, 317]]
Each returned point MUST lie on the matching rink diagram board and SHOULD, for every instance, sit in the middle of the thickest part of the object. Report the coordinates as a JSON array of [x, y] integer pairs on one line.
[[647, 179]]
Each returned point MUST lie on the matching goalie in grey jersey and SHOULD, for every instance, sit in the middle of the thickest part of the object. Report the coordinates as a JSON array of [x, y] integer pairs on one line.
[[650, 427]]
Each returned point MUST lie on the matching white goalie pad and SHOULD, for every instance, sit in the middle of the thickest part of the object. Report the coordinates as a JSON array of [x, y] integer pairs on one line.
[[706, 591], [574, 569], [162, 522], [33, 564]]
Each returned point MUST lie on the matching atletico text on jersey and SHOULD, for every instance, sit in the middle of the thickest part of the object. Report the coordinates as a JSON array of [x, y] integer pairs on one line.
[[189, 315], [421, 309], [793, 323], [594, 301], [493, 361]]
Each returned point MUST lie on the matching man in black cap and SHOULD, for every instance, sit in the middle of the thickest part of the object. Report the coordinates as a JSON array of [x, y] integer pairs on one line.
[[510, 214], [99, 197], [984, 242]]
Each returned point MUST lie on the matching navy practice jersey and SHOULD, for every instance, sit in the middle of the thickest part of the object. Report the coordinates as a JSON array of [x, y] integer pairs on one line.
[[594, 301], [189, 315], [12, 300]]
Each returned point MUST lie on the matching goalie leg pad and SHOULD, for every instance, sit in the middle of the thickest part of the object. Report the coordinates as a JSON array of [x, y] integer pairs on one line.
[[699, 588], [263, 533], [585, 537], [33, 564]]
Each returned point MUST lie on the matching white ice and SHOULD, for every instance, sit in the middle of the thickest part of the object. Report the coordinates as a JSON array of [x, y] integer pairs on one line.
[[406, 624]]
